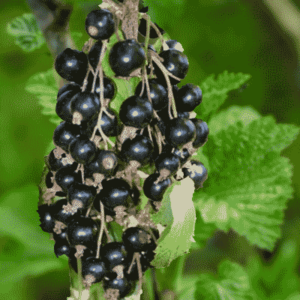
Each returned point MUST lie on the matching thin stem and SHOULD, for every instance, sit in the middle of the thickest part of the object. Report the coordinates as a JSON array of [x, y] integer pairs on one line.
[[101, 229], [147, 37], [79, 270]]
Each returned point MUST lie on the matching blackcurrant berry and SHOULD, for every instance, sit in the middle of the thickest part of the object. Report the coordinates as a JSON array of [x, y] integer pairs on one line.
[[94, 54], [82, 149], [68, 88], [136, 239], [126, 56], [61, 248], [197, 172], [81, 195], [100, 24], [87, 253], [175, 62], [63, 106], [109, 125], [114, 254], [82, 231], [97, 206], [138, 149], [155, 191], [87, 104], [143, 29], [182, 154], [173, 44], [133, 275], [48, 180], [56, 163], [66, 176], [167, 164], [72, 65], [64, 134], [188, 97], [45, 212], [123, 285], [180, 131], [94, 267], [105, 163], [136, 112], [115, 192], [158, 94], [202, 132], [61, 213], [62, 236], [109, 90]]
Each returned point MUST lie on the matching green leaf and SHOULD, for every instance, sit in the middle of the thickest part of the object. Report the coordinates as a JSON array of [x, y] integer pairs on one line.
[[177, 213], [26, 32], [44, 87], [279, 278], [203, 231], [232, 283], [230, 116], [249, 183], [215, 91]]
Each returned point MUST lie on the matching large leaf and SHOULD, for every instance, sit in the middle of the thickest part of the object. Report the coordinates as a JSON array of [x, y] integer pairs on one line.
[[232, 283], [44, 87], [215, 91], [177, 213], [249, 183], [26, 32]]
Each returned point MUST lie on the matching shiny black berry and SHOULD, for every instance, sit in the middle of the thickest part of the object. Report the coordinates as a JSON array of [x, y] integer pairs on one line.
[[61, 213], [136, 112], [202, 132], [175, 62], [87, 104], [68, 88], [72, 65], [81, 195], [114, 254], [45, 212], [94, 267], [66, 176], [133, 275], [158, 94], [64, 134], [138, 149], [173, 44], [56, 163], [179, 132], [136, 239], [167, 164], [49, 179], [108, 124], [182, 154], [188, 97], [155, 191], [109, 90], [100, 24], [62, 236], [82, 149], [115, 192], [87, 253], [62, 248], [82, 231], [197, 172], [126, 56], [63, 106], [105, 162], [123, 285], [94, 54]]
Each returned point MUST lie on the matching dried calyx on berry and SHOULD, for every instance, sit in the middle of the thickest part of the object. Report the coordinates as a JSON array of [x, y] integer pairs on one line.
[[98, 150]]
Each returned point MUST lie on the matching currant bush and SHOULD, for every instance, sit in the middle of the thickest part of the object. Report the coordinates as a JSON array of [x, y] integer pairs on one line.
[[93, 174]]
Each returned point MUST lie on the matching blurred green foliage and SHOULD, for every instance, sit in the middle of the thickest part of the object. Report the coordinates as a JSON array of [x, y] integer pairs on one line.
[[217, 36]]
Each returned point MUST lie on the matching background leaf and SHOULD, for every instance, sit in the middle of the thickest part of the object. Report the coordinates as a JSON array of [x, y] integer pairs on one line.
[[232, 283], [215, 91], [26, 32], [44, 87]]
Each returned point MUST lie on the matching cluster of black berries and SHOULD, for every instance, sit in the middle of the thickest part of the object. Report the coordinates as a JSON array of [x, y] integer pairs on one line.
[[153, 130]]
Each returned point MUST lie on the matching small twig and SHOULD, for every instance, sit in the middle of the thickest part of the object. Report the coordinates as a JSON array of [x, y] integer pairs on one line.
[[101, 229]]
